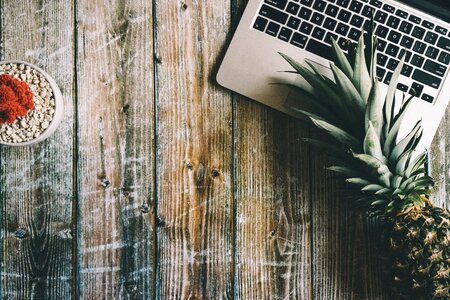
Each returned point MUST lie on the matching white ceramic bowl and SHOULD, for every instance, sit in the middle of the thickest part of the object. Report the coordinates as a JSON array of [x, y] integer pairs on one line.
[[59, 106]]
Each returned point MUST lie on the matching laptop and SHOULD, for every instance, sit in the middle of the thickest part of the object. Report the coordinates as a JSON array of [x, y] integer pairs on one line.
[[302, 29]]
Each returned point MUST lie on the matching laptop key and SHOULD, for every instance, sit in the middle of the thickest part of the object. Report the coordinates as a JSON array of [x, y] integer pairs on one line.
[[406, 54], [355, 6], [376, 3], [332, 10], [416, 89], [394, 36], [381, 45], [367, 11], [431, 37], [272, 29], [329, 36], [435, 68], [393, 22], [427, 24], [306, 28], [344, 15], [342, 29], [319, 49], [299, 40], [292, 8], [293, 23], [441, 30], [427, 98], [343, 3], [285, 34], [354, 34], [392, 50], [329, 23], [307, 2], [260, 23], [402, 87], [444, 43], [318, 33], [444, 57], [432, 52], [273, 14], [401, 13], [415, 19], [417, 60], [406, 70], [392, 64], [305, 13], [382, 31], [380, 73], [357, 21], [388, 78], [407, 42], [281, 4], [418, 32], [380, 17], [389, 8], [317, 18], [319, 5], [406, 27], [426, 78], [419, 47], [343, 43], [381, 59]]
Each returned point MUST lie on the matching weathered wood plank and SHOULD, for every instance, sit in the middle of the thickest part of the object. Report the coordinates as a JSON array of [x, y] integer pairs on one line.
[[116, 149], [36, 183], [440, 163], [273, 205], [194, 162], [345, 261]]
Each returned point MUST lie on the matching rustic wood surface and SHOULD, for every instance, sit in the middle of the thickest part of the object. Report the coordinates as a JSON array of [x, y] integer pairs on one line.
[[161, 184]]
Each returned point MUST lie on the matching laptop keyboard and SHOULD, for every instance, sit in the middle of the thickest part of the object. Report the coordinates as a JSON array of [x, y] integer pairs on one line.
[[310, 24]]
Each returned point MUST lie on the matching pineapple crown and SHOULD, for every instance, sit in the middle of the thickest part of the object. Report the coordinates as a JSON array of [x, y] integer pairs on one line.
[[364, 128]]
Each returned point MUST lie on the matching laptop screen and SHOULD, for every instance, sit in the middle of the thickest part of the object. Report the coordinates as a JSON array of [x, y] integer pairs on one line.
[[438, 8]]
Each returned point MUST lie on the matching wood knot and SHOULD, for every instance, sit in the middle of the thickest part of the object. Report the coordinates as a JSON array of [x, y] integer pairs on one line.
[[20, 233], [125, 108], [131, 287], [184, 6], [189, 166], [145, 208], [215, 173], [159, 222], [104, 182]]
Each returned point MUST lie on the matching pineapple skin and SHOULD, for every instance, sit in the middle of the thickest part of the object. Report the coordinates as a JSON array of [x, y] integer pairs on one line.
[[418, 253]]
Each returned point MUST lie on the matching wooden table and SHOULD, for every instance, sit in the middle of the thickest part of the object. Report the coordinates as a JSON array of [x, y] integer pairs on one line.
[[160, 183]]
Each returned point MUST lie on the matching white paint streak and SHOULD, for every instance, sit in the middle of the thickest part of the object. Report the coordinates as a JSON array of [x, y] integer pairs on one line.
[[100, 270], [110, 246]]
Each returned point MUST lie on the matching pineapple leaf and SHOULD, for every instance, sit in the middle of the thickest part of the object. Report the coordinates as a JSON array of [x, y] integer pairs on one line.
[[361, 78], [358, 181], [374, 110], [337, 133], [347, 89], [372, 144], [340, 60], [389, 104]]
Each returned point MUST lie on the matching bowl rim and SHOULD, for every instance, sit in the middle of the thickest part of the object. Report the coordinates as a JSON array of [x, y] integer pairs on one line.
[[56, 93]]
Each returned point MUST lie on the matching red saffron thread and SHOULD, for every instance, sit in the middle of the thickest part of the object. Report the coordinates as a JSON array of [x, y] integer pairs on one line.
[[16, 99]]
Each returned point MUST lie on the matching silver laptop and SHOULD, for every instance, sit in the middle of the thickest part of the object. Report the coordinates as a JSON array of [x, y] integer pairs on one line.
[[302, 29]]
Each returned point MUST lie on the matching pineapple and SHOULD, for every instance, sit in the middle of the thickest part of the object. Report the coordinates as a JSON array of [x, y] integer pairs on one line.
[[391, 180]]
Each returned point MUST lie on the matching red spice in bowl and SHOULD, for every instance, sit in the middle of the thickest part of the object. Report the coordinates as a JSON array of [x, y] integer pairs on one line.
[[16, 98]]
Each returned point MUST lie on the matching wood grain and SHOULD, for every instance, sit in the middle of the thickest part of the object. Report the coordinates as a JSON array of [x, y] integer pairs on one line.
[[194, 161], [345, 259], [36, 183], [273, 205], [440, 163], [115, 149]]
